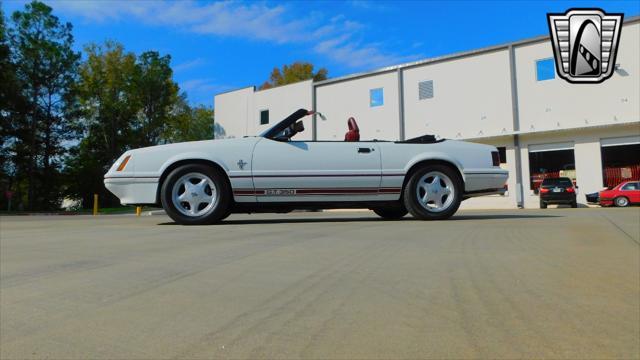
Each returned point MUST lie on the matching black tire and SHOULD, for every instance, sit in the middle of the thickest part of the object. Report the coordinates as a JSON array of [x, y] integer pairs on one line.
[[411, 193], [391, 212], [621, 201], [543, 205], [574, 204], [221, 206]]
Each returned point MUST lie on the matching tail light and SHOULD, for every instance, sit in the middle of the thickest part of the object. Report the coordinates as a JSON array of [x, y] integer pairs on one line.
[[570, 189], [543, 191], [495, 158]]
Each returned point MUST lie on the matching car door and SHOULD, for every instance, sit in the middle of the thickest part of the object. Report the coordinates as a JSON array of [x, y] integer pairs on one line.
[[315, 171], [632, 191]]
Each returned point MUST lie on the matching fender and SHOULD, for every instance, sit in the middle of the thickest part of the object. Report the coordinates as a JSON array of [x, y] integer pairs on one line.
[[434, 155], [194, 155]]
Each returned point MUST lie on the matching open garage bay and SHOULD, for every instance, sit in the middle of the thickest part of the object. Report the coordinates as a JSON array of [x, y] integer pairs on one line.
[[560, 283]]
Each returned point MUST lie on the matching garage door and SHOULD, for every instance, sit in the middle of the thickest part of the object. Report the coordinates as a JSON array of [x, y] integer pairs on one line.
[[551, 147], [550, 160], [620, 159], [618, 141]]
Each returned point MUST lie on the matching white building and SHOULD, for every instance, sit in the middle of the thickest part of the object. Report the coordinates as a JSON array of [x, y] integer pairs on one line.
[[508, 96]]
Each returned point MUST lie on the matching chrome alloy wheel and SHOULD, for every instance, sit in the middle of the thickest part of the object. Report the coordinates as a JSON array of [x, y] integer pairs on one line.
[[194, 194], [435, 191]]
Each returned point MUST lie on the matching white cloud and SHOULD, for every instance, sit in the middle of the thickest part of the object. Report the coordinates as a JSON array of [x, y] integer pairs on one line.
[[334, 39], [189, 65]]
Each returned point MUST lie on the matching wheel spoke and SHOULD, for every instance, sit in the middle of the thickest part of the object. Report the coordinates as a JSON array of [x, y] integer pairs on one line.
[[193, 207], [204, 198]]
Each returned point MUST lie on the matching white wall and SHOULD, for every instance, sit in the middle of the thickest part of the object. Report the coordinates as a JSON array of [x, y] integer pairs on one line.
[[339, 101], [281, 102], [232, 110], [555, 103], [472, 97], [238, 112]]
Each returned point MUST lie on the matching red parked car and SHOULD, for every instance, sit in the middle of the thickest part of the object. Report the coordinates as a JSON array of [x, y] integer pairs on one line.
[[624, 194]]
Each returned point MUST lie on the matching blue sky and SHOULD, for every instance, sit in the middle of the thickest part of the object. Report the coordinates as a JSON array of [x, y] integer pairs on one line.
[[218, 46]]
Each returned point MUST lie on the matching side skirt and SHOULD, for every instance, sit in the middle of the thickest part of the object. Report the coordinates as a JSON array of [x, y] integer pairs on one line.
[[280, 207]]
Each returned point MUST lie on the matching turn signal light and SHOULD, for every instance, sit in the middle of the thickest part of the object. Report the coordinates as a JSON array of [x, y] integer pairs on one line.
[[543, 191], [570, 189], [124, 162]]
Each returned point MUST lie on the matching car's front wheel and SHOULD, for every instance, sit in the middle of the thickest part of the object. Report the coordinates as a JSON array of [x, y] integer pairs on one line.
[[621, 201], [433, 192], [196, 194], [391, 212]]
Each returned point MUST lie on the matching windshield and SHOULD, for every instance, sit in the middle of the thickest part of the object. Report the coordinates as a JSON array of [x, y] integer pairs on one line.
[[278, 128]]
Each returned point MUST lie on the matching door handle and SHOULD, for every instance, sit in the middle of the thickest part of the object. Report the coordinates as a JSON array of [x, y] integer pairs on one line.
[[364, 150]]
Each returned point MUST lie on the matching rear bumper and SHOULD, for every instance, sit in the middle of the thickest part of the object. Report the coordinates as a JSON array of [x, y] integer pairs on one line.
[[133, 190], [558, 199], [489, 181]]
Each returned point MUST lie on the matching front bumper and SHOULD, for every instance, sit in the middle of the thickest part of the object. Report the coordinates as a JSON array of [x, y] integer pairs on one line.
[[133, 190]]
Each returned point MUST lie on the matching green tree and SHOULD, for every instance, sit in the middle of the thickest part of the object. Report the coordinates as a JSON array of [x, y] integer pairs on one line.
[[190, 123], [156, 93], [45, 67], [298, 71], [107, 93]]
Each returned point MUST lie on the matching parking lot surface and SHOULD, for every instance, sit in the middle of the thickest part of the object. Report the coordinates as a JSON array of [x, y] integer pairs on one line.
[[556, 283]]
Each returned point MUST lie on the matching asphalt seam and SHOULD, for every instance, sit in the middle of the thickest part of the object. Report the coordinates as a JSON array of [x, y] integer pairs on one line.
[[622, 230]]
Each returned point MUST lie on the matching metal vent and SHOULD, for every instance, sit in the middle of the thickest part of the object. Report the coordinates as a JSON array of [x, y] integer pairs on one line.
[[425, 90]]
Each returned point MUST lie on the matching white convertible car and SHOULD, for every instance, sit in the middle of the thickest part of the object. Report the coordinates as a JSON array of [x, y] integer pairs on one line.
[[203, 182]]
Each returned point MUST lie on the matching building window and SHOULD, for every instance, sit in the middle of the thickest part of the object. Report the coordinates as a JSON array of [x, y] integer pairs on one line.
[[425, 90], [376, 97], [503, 154], [545, 69], [264, 117]]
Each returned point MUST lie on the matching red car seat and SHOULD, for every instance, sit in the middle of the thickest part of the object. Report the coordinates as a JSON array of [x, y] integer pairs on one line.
[[354, 132]]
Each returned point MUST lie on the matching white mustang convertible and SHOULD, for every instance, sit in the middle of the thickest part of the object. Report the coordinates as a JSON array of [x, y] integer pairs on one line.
[[203, 182]]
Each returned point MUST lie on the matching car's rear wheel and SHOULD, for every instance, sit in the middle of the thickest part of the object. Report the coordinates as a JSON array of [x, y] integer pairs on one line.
[[621, 201], [543, 205], [391, 212], [574, 204], [433, 192], [196, 194]]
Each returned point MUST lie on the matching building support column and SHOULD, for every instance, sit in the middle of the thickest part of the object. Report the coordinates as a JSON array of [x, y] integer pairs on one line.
[[314, 124], [401, 104], [516, 127]]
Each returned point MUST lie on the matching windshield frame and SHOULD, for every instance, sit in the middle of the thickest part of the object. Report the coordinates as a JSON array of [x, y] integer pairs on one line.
[[272, 132]]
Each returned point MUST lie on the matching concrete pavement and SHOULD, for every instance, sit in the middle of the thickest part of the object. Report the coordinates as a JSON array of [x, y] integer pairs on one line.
[[560, 283]]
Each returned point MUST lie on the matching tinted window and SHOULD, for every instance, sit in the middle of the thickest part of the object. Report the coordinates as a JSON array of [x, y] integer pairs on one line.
[[561, 182], [545, 69], [631, 186], [264, 117], [376, 97]]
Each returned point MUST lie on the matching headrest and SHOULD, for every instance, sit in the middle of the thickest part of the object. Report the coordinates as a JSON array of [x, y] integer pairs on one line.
[[352, 124]]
